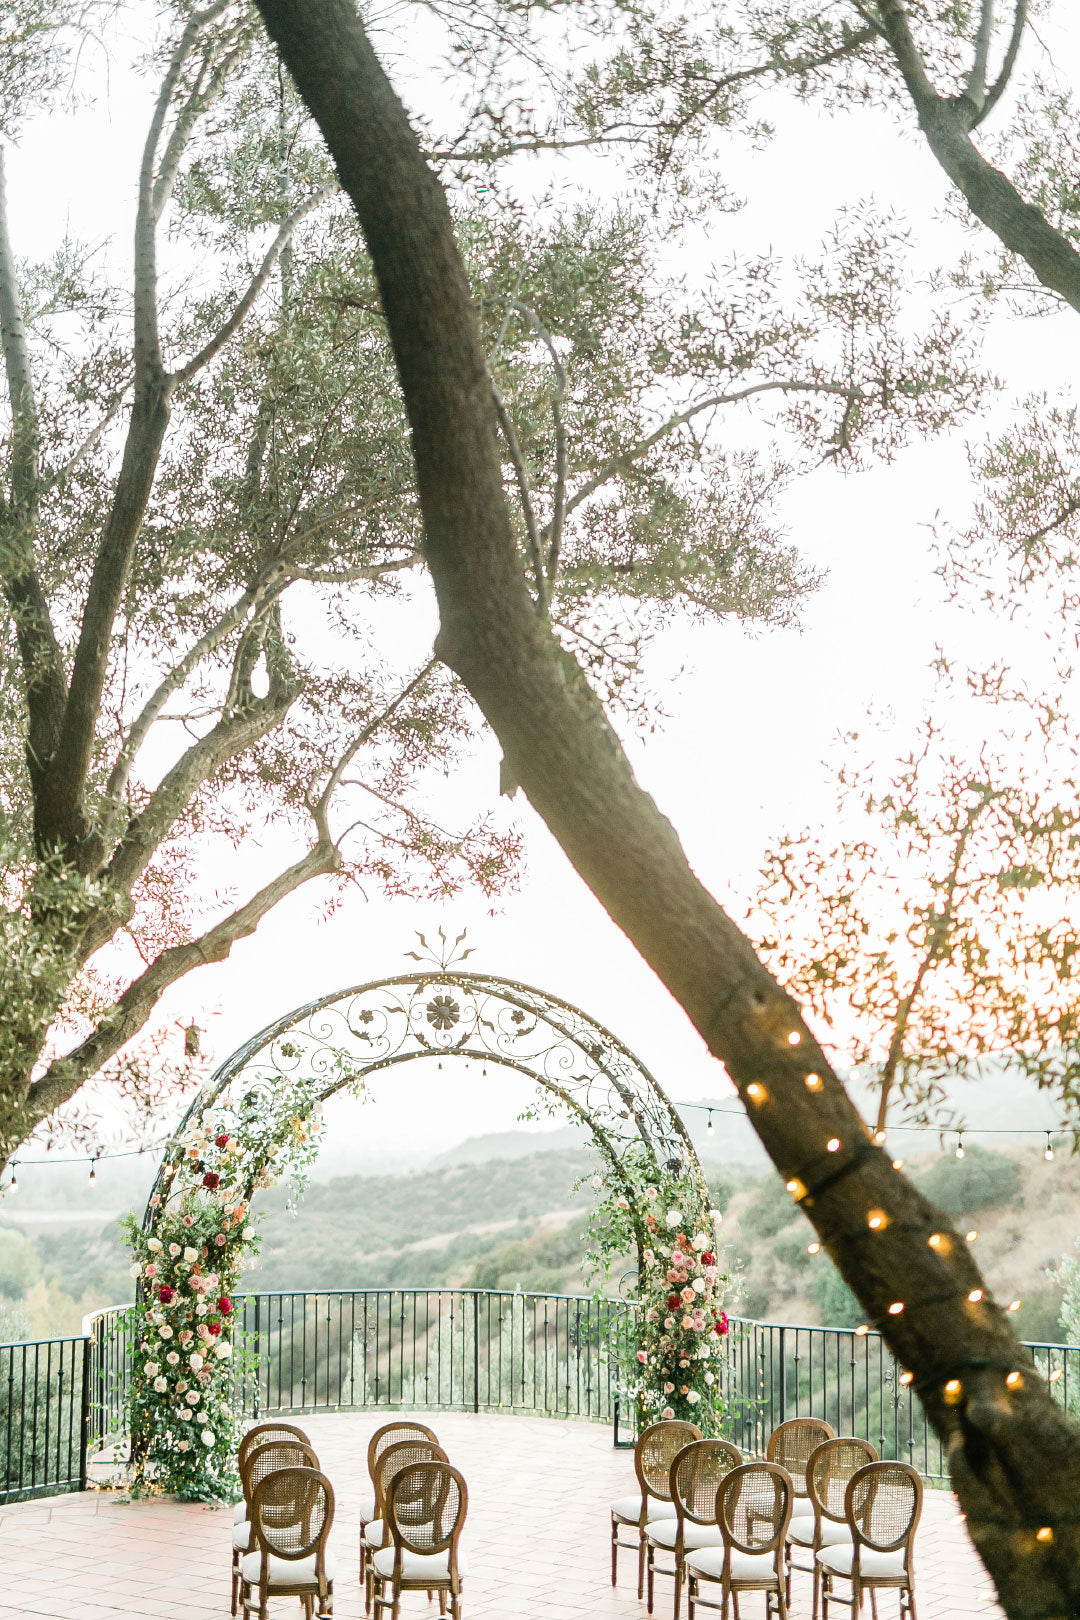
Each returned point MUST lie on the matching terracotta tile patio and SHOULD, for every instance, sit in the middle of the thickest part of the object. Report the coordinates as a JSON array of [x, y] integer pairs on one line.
[[537, 1538]]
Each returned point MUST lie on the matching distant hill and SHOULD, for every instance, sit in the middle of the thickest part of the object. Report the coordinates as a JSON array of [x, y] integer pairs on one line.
[[512, 1145]]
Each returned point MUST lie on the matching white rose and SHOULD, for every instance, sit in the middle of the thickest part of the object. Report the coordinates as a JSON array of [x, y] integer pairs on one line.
[[200, 1309], [185, 1445], [194, 1397], [173, 1359], [135, 1270], [693, 1397], [598, 1182], [700, 1241], [208, 1437], [161, 1385], [249, 1233], [190, 1254], [152, 1369], [648, 1256], [716, 1217], [698, 1285], [174, 1249], [650, 1193], [184, 1415], [166, 1331], [224, 1350], [155, 1244], [195, 1361], [674, 1217], [710, 1378]]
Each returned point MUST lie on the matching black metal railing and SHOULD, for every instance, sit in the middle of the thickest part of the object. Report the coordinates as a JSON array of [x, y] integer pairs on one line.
[[64, 1401]]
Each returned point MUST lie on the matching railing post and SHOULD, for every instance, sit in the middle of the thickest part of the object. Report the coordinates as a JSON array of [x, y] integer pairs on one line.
[[258, 1355], [476, 1349], [783, 1375], [84, 1416]]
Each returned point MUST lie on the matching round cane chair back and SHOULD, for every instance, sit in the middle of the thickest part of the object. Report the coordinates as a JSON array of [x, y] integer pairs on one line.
[[696, 1475], [426, 1507], [883, 1504], [268, 1459], [829, 1468], [262, 1434], [655, 1452], [790, 1445], [292, 1511], [390, 1434], [402, 1454], [753, 1507]]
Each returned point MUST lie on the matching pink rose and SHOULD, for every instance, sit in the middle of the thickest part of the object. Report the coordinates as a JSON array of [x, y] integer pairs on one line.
[[687, 1295], [642, 1357], [189, 1220], [151, 1270], [220, 1240], [668, 1413]]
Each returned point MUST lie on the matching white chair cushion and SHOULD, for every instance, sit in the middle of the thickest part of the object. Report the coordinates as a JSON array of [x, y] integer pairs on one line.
[[883, 1565], [628, 1509], [709, 1564], [367, 1506], [241, 1536], [664, 1533], [284, 1571], [419, 1566], [374, 1533], [833, 1534], [240, 1512]]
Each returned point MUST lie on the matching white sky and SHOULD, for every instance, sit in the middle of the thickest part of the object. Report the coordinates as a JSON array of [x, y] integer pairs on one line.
[[751, 718]]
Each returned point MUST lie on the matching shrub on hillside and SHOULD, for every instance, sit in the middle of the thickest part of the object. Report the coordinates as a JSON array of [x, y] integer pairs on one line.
[[770, 1209], [982, 1179], [837, 1304]]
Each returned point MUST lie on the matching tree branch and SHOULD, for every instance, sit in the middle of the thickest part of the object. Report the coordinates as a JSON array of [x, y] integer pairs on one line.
[[521, 475], [1009, 1474], [39, 650], [130, 1012], [975, 87], [1000, 84], [255, 286]]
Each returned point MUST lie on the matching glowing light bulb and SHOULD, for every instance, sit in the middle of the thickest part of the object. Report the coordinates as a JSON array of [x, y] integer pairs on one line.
[[13, 1184], [755, 1091], [794, 1038], [710, 1129], [1014, 1305], [936, 1240], [1045, 1534], [896, 1307], [861, 1331], [960, 1147], [906, 1377], [1015, 1380], [796, 1188], [975, 1295], [877, 1220], [879, 1137], [953, 1391], [898, 1164], [970, 1237], [833, 1145], [93, 1173], [813, 1248], [1049, 1154], [813, 1082], [1055, 1375]]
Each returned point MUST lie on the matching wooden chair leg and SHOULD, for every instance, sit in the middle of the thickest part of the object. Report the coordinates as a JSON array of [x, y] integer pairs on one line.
[[873, 1603], [614, 1552], [641, 1563], [678, 1589], [650, 1578]]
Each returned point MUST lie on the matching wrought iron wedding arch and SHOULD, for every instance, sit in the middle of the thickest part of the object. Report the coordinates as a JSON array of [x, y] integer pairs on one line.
[[443, 1014]]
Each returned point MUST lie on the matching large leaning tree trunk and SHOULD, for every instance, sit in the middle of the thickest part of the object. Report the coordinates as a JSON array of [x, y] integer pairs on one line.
[[1013, 1452]]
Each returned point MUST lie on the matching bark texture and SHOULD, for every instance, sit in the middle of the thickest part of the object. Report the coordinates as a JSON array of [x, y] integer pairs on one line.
[[1014, 1454]]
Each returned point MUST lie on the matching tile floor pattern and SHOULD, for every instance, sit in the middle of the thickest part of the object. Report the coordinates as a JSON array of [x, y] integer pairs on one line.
[[537, 1538]]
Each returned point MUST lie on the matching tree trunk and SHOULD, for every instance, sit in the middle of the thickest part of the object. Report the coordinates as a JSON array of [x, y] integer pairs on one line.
[[1014, 1455]]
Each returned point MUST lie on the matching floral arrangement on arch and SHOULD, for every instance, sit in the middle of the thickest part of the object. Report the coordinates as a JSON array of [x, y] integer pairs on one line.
[[670, 1367], [188, 1363]]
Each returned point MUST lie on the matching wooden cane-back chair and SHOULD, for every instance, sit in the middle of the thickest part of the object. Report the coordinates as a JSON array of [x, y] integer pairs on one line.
[[292, 1510], [883, 1505], [828, 1470], [401, 1454], [790, 1445], [695, 1477], [654, 1453], [256, 1461], [753, 1507], [388, 1435], [426, 1507]]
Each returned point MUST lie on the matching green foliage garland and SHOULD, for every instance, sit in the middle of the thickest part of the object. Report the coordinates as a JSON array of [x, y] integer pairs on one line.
[[188, 1361]]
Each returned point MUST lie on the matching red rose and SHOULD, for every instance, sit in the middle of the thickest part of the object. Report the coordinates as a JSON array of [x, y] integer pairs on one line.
[[720, 1326], [214, 1328], [222, 1140], [165, 1294], [708, 1259], [224, 1305], [211, 1179], [673, 1302]]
